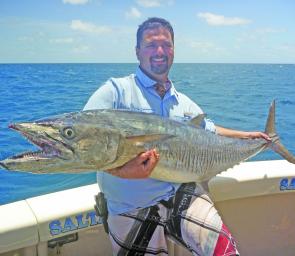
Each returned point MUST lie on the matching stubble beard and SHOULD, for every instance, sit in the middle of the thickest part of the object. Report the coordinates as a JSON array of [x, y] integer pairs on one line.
[[160, 69]]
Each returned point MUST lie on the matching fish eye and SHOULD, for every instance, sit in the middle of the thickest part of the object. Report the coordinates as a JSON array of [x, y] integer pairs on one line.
[[68, 132]]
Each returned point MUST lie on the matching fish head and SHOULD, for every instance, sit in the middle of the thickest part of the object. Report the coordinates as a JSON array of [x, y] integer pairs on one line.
[[67, 144]]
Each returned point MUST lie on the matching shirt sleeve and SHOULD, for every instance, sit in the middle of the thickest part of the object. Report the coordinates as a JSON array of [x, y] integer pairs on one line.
[[104, 97], [209, 125]]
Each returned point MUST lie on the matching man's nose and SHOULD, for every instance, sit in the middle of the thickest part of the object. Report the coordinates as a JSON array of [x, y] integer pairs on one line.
[[160, 50]]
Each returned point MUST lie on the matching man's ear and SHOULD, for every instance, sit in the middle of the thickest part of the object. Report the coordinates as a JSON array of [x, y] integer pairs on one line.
[[137, 52]]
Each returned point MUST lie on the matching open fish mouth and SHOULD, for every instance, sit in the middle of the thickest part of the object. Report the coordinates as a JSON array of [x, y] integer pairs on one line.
[[45, 143]]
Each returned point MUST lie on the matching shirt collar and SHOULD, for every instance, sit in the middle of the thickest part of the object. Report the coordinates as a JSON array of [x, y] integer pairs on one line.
[[146, 81]]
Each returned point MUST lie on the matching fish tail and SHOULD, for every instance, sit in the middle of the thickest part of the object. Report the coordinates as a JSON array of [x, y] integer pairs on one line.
[[275, 143]]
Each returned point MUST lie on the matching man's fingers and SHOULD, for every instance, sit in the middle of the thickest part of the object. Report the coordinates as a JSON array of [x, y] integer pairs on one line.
[[257, 135], [266, 137], [262, 135], [144, 157], [156, 155], [153, 158], [151, 161]]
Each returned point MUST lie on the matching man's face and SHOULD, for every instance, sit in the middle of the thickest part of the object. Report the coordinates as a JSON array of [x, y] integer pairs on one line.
[[156, 52]]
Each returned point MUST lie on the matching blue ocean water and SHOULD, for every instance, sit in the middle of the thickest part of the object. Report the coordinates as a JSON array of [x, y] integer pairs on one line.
[[233, 95]]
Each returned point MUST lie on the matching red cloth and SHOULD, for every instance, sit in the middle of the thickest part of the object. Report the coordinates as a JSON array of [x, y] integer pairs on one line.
[[225, 245]]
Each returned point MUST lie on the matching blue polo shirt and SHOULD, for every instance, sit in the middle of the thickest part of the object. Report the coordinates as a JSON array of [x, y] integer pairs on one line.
[[136, 93]]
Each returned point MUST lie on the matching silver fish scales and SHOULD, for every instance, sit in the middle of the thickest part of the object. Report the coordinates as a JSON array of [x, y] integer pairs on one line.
[[104, 139]]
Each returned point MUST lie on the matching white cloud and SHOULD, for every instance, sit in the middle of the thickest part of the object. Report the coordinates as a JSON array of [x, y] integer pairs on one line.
[[154, 3], [133, 13], [67, 40], [269, 31], [25, 39], [75, 1], [204, 46], [81, 49], [199, 44], [220, 20], [89, 27], [258, 35], [287, 47]]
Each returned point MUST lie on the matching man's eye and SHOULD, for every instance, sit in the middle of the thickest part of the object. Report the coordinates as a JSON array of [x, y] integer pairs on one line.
[[150, 46], [168, 45]]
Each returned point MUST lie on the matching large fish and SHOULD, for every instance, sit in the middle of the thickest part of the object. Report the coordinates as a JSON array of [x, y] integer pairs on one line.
[[104, 139]]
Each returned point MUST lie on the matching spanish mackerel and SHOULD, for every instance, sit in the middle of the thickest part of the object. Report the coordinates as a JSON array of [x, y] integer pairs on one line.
[[104, 139]]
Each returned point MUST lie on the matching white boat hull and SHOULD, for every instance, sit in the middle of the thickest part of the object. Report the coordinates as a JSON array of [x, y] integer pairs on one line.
[[255, 199], [257, 210]]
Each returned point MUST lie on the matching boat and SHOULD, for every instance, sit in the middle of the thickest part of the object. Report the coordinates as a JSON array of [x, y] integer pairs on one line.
[[255, 200]]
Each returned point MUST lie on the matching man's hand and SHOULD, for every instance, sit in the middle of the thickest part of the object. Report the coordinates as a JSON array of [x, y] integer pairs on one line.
[[241, 134], [139, 167], [257, 135]]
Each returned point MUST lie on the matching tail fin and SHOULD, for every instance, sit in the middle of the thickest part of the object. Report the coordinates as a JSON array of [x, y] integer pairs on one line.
[[270, 130]]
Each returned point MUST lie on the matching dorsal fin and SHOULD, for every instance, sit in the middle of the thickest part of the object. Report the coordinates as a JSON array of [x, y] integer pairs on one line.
[[198, 120]]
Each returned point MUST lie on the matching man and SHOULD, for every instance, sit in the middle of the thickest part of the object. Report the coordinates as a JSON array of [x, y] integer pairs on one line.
[[143, 211]]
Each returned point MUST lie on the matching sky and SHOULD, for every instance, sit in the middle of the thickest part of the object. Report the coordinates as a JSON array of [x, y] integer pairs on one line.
[[103, 31]]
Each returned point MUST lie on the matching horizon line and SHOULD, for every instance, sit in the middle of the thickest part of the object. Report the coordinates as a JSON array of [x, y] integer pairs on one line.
[[252, 63]]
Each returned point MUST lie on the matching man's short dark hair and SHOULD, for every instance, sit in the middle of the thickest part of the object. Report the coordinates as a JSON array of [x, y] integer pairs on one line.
[[151, 23]]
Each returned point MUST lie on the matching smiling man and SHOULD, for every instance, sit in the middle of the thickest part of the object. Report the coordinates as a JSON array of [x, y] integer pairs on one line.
[[155, 53], [143, 211]]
